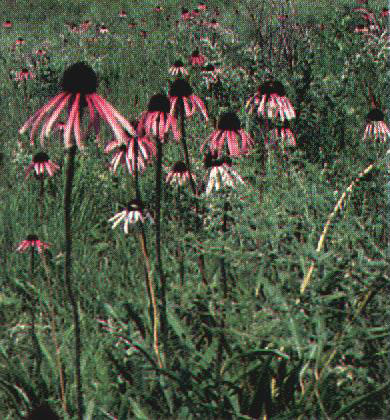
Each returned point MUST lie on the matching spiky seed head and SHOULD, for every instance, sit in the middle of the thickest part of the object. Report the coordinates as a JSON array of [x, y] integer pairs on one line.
[[375, 115], [40, 157], [134, 205], [180, 88], [229, 121], [159, 103], [32, 237], [179, 167], [79, 78]]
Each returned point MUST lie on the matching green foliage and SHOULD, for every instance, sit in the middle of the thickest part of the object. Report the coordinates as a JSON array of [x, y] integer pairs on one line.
[[241, 341]]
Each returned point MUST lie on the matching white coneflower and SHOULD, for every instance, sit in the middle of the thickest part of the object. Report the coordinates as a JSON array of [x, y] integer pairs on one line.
[[132, 214], [221, 173]]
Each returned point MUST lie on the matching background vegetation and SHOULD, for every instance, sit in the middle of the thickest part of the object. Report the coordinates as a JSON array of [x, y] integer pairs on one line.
[[261, 349]]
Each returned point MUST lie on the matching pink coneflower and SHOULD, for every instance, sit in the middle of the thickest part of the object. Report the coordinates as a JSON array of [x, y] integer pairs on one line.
[[20, 41], [376, 128], [202, 7], [157, 120], [32, 241], [385, 12], [24, 74], [7, 24], [271, 102], [84, 26], [179, 174], [158, 9], [213, 24], [185, 14], [197, 59], [221, 173], [79, 85], [122, 14], [178, 69], [229, 128], [125, 153], [210, 74], [103, 29], [282, 18], [181, 91], [282, 135], [40, 52], [361, 29], [132, 214], [40, 164], [195, 13]]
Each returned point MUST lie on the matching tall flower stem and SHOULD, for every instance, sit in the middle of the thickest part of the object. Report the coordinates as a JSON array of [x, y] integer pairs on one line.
[[185, 148], [34, 339], [149, 280], [158, 239], [54, 333], [201, 263], [148, 271], [41, 196], [68, 275]]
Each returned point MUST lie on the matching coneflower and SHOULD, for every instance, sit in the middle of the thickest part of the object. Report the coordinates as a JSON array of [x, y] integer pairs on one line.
[[40, 164], [229, 128], [376, 127], [197, 59], [133, 213], [32, 242], [178, 69], [157, 120], [221, 174], [179, 174], [271, 102], [79, 85], [125, 153]]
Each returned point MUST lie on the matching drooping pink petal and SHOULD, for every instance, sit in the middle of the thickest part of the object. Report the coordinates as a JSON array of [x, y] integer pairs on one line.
[[196, 100], [188, 111], [116, 114], [76, 125], [233, 143], [69, 124], [53, 118], [41, 112], [108, 117]]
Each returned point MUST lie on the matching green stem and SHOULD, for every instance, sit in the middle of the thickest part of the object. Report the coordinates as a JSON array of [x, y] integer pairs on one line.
[[68, 276]]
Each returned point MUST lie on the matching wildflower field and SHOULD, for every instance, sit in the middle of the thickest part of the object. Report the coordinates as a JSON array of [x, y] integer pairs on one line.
[[194, 210]]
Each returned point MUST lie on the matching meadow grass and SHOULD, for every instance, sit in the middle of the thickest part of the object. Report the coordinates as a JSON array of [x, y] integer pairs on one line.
[[243, 337]]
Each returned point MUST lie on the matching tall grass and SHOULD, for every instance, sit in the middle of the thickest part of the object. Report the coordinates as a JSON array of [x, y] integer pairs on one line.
[[244, 338]]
